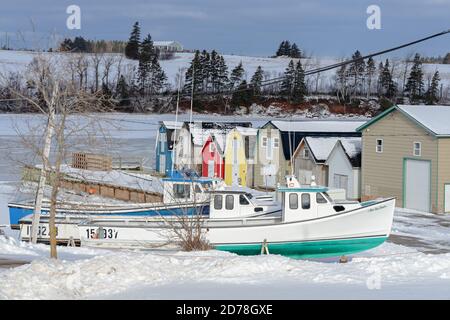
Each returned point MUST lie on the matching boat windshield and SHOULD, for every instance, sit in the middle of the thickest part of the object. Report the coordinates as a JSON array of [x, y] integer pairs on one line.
[[326, 195], [249, 195]]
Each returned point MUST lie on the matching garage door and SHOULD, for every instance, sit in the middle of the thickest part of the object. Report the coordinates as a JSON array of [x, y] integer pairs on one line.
[[417, 185]]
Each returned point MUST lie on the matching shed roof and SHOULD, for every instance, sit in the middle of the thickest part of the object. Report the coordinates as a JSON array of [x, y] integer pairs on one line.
[[172, 125], [318, 125], [434, 119], [321, 148], [292, 132]]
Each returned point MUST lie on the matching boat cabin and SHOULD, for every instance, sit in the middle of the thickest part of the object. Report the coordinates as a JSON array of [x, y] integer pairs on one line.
[[305, 202], [233, 202], [185, 189]]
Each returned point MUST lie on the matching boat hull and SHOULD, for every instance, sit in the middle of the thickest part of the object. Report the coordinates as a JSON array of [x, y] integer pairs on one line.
[[19, 211], [348, 232], [308, 249]]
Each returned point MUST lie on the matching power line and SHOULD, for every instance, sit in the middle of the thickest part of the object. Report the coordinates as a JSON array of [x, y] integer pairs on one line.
[[332, 66]]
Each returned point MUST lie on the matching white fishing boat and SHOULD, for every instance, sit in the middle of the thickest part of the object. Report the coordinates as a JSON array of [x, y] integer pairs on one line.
[[181, 198], [310, 224]]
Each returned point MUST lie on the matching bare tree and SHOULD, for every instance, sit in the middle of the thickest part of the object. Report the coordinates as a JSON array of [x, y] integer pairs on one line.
[[63, 103]]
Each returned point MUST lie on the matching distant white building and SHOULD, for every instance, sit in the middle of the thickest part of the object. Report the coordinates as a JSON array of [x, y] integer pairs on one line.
[[168, 46]]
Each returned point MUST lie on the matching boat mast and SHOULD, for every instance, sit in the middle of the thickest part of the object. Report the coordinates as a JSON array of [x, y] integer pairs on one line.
[[190, 116], [176, 122]]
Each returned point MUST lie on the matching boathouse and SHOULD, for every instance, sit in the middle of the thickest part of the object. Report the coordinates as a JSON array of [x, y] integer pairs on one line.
[[406, 154]]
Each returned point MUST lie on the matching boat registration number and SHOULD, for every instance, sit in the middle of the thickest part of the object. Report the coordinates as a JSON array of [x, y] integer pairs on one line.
[[43, 230], [108, 233]]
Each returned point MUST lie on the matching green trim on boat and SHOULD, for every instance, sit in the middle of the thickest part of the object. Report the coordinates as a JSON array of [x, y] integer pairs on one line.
[[308, 249]]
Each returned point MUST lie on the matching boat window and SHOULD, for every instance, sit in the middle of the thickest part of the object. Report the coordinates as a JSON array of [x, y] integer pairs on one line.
[[320, 198], [306, 201], [243, 200], [218, 202], [181, 191], [197, 189], [327, 196], [229, 202], [293, 201], [249, 195]]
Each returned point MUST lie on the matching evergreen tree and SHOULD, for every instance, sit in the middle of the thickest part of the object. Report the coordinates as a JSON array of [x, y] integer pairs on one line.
[[256, 80], [288, 82], [299, 87], [388, 86], [380, 72], [370, 72], [158, 76], [204, 70], [191, 76], [242, 96], [432, 95], [295, 52], [222, 78], [237, 75], [123, 91], [415, 86], [285, 49], [446, 59], [357, 71], [146, 56], [132, 47]]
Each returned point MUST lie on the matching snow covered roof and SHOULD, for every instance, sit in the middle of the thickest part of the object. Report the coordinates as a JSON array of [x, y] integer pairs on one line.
[[435, 118], [432, 118], [352, 147], [247, 131], [200, 131], [172, 125], [318, 125], [164, 43], [321, 147]]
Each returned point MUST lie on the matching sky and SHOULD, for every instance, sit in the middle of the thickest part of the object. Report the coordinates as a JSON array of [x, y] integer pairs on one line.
[[247, 27]]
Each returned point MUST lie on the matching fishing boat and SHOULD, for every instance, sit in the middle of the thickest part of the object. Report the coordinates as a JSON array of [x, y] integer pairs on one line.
[[182, 197], [310, 225]]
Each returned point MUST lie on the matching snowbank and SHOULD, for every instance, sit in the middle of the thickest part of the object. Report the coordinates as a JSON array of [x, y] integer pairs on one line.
[[390, 271]]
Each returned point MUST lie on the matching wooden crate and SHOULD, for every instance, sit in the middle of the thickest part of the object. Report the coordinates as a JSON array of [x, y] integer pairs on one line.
[[91, 161]]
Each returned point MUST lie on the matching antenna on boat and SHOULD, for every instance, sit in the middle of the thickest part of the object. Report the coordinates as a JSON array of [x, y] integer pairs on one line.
[[176, 120], [190, 116], [290, 147]]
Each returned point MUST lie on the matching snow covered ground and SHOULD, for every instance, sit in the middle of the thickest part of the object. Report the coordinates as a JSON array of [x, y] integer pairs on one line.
[[390, 271], [414, 263], [418, 268]]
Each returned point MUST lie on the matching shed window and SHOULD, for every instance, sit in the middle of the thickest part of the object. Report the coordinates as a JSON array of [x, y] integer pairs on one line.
[[306, 201], [305, 153], [320, 198], [417, 149], [229, 202], [276, 142], [379, 148], [218, 202], [181, 191], [264, 141], [293, 201]]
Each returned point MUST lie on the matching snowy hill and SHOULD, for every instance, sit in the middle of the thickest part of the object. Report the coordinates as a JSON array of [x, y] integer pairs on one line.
[[17, 61]]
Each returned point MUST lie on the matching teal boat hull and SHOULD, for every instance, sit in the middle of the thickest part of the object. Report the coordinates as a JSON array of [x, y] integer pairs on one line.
[[308, 249]]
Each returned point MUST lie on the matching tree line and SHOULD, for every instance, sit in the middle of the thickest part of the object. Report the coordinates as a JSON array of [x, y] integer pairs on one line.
[[364, 79]]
